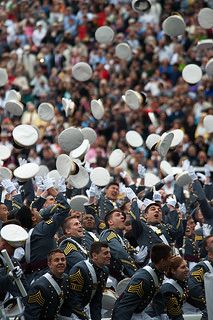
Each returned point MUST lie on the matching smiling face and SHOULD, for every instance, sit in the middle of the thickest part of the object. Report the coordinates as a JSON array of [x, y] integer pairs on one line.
[[116, 220], [74, 228], [181, 272], [153, 214], [102, 258], [112, 192], [88, 222], [57, 264]]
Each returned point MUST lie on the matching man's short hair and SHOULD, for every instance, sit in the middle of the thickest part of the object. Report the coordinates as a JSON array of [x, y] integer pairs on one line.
[[97, 246], [205, 241], [160, 251], [113, 183], [66, 222], [109, 214], [52, 253]]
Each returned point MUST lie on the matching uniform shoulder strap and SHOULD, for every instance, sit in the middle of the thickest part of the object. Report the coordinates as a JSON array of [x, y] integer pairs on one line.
[[152, 274], [175, 285], [208, 264], [53, 283], [93, 274]]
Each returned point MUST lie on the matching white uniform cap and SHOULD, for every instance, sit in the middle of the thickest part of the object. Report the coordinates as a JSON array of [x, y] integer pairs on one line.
[[70, 139], [123, 51], [43, 171], [80, 152], [134, 139], [122, 285], [152, 140], [108, 300], [100, 177], [5, 152], [178, 137], [65, 165], [13, 95], [14, 235], [150, 179], [5, 173], [46, 111], [77, 203], [3, 77], [89, 134], [165, 167], [14, 107], [104, 34], [205, 18], [116, 158], [25, 135], [69, 106], [26, 171], [192, 73], [79, 180], [205, 44], [97, 109], [141, 6], [209, 68], [183, 179], [174, 26], [133, 99], [164, 144], [208, 123], [82, 71]]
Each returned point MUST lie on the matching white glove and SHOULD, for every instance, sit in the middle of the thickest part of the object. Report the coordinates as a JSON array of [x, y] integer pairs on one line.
[[87, 167], [141, 255], [141, 170], [130, 194], [168, 178], [156, 196], [207, 228], [192, 173], [207, 171], [201, 177], [182, 208], [48, 183], [61, 185], [198, 226], [19, 253], [122, 188], [22, 161], [171, 201], [8, 185], [16, 273], [123, 174], [39, 182], [185, 165], [93, 190], [140, 204]]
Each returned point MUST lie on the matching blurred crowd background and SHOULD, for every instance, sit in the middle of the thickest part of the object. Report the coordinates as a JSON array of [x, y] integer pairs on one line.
[[40, 41]]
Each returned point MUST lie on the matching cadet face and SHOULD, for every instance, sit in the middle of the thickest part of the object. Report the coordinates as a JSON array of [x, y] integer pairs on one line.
[[102, 258], [190, 226], [117, 220], [3, 212], [74, 228], [112, 192], [88, 222], [153, 214], [181, 272], [209, 243], [57, 264], [50, 200]]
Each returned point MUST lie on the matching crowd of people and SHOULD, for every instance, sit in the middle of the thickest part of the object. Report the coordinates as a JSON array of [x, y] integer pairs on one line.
[[139, 245]]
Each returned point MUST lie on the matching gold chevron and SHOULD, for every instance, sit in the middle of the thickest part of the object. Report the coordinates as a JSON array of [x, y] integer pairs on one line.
[[70, 247], [111, 236], [36, 298], [76, 278], [173, 307], [198, 274], [49, 221], [137, 288]]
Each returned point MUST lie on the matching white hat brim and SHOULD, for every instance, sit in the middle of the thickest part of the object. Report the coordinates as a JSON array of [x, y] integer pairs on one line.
[[14, 107], [100, 177], [97, 109], [134, 139], [178, 137], [26, 171], [77, 203], [208, 123], [82, 71], [5, 152], [3, 77], [133, 99], [183, 179], [5, 173], [65, 165], [205, 18], [14, 234], [79, 180], [104, 35], [90, 134], [192, 73], [150, 180], [70, 139], [174, 26], [81, 150], [116, 158], [152, 140], [123, 51], [25, 135], [46, 111]]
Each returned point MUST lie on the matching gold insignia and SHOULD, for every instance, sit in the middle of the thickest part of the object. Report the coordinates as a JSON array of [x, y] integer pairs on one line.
[[76, 281], [198, 238], [49, 221], [36, 298], [102, 225], [173, 307], [198, 274], [137, 288], [70, 247], [111, 236]]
